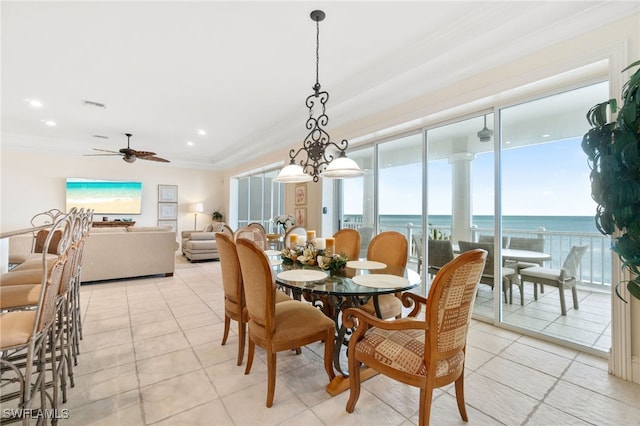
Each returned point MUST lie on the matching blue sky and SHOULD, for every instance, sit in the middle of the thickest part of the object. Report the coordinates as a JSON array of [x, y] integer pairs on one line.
[[549, 179]]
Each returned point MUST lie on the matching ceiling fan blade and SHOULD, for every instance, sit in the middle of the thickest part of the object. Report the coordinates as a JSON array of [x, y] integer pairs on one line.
[[106, 150], [141, 154], [100, 155], [152, 158]]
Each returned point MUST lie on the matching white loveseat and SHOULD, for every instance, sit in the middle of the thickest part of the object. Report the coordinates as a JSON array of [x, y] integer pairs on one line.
[[136, 251]]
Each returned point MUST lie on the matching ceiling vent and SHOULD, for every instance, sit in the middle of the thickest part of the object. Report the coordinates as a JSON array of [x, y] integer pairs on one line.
[[93, 104]]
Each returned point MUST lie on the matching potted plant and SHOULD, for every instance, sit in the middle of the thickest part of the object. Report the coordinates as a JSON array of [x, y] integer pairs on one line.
[[217, 216], [614, 157]]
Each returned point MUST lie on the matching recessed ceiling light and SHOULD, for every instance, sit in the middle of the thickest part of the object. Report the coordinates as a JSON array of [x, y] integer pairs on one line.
[[190, 143], [49, 123], [34, 103], [201, 132], [546, 135]]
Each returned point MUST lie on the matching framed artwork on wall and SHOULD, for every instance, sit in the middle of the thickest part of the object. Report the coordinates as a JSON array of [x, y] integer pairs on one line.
[[301, 194], [167, 193], [167, 211], [301, 216]]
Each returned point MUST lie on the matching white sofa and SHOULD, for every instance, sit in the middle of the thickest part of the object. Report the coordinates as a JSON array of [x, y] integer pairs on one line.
[[136, 251]]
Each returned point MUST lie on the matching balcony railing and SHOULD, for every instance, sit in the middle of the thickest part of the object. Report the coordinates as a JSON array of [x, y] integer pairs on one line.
[[595, 268]]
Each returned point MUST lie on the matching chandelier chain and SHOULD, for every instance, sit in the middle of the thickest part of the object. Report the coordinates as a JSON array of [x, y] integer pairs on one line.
[[317, 53]]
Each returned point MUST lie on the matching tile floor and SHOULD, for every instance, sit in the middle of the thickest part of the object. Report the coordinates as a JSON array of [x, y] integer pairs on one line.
[[151, 355]]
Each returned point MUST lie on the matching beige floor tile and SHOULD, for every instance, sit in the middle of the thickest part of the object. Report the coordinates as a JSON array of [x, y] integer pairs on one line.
[[158, 328], [546, 415], [103, 384], [150, 317], [369, 410], [123, 409], [94, 342], [208, 334], [103, 358], [177, 395], [591, 406], [165, 366], [106, 324], [159, 345], [198, 320], [537, 359], [496, 400], [209, 414], [252, 401], [519, 377]]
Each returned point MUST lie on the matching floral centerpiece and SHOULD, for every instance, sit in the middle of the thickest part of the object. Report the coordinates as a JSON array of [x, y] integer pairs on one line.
[[310, 256], [286, 220]]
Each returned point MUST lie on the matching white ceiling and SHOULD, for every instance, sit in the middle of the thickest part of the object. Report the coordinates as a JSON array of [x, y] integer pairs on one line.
[[242, 70]]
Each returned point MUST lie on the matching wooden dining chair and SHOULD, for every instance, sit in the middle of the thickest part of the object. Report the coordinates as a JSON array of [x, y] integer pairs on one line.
[[390, 248], [347, 241], [235, 307], [424, 352], [298, 230], [280, 326], [254, 234]]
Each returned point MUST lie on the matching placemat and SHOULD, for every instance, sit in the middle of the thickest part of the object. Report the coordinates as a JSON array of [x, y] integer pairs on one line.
[[302, 275], [365, 264], [380, 280]]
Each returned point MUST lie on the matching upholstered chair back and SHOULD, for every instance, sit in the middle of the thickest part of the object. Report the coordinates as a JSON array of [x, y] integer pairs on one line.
[[259, 285], [254, 234], [449, 307], [231, 275], [347, 241], [390, 248]]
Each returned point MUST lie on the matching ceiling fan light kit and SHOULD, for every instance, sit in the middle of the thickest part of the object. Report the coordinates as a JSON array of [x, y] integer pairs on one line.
[[317, 160]]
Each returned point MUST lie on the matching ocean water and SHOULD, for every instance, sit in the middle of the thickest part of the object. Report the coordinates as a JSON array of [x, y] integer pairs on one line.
[[577, 224], [559, 232]]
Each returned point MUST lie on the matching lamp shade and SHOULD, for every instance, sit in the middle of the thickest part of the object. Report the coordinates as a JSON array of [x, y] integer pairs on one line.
[[342, 167], [292, 173], [197, 208]]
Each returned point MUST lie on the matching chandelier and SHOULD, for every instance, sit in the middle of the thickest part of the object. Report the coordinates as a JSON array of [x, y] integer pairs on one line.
[[316, 160]]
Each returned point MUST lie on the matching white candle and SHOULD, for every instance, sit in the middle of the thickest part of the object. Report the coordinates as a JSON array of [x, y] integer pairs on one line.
[[330, 244], [320, 243], [302, 240]]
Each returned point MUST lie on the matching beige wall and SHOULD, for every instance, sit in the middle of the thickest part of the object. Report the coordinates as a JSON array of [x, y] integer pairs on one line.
[[33, 182]]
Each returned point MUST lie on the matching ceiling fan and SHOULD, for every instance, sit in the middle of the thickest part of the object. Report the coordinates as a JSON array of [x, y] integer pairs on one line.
[[130, 155]]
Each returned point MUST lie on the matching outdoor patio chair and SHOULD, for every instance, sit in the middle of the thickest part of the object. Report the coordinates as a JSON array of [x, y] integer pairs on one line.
[[523, 243], [563, 278], [509, 275], [440, 253]]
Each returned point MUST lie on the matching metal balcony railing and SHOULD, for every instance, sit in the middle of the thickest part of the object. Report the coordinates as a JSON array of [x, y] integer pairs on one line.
[[595, 268]]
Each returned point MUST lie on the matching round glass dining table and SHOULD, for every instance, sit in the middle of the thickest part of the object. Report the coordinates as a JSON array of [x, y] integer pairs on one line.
[[333, 292]]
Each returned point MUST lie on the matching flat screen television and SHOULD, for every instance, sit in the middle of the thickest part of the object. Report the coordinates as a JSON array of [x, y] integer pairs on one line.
[[105, 196]]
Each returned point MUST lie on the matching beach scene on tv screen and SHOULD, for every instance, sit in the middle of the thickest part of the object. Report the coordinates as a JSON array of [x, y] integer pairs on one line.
[[104, 196]]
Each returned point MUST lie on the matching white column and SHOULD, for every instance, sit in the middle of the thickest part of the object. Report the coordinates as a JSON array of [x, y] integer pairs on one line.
[[461, 195]]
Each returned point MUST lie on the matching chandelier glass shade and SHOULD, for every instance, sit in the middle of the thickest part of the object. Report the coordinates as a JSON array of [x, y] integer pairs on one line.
[[316, 156]]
